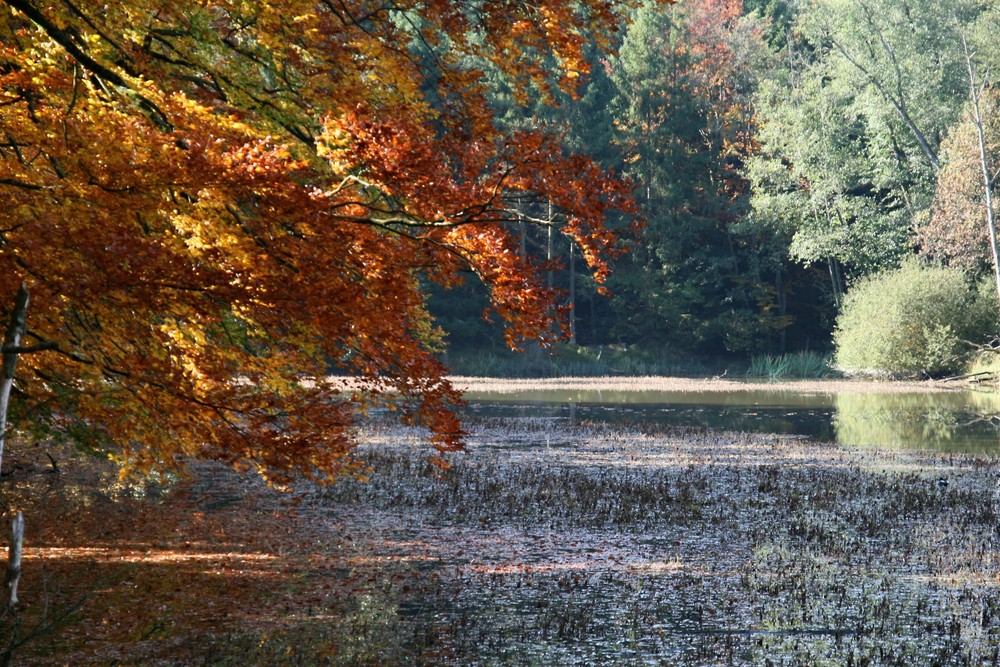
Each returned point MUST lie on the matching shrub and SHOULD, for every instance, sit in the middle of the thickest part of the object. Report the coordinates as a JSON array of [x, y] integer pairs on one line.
[[908, 322]]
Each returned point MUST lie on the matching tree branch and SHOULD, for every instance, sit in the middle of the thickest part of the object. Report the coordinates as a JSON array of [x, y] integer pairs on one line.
[[155, 115]]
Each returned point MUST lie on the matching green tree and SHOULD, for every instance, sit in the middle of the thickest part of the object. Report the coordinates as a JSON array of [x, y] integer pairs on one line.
[[778, 17], [695, 279], [851, 123]]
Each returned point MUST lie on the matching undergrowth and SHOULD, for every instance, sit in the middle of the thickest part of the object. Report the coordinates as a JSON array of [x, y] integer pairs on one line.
[[566, 360]]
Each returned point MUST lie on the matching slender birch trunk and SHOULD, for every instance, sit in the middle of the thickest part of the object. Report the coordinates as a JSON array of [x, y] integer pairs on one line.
[[11, 343], [13, 575], [16, 329], [984, 162]]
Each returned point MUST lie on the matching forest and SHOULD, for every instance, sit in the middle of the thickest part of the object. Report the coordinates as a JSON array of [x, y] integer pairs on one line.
[[779, 154]]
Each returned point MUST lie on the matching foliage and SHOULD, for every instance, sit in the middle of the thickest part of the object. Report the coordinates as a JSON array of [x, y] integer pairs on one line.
[[906, 62], [698, 278], [957, 232], [909, 321], [779, 16], [212, 201], [852, 117]]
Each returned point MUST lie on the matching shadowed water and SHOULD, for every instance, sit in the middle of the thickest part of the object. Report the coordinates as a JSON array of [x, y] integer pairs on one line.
[[965, 421]]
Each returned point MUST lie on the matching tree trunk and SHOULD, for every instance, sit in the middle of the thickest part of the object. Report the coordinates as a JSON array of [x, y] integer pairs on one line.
[[984, 162], [834, 283], [572, 292], [782, 298], [13, 575], [11, 341], [549, 250]]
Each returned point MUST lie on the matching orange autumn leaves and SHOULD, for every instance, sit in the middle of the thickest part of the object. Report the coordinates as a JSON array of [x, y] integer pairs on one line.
[[215, 203]]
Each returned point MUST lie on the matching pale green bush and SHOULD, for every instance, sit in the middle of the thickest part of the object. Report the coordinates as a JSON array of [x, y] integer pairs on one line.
[[909, 322]]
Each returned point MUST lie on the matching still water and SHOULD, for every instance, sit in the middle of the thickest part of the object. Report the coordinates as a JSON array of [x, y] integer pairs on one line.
[[966, 421]]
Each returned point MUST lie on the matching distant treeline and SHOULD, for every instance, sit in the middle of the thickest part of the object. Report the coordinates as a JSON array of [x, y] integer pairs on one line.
[[780, 151]]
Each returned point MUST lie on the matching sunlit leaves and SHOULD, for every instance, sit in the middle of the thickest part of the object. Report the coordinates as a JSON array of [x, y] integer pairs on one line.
[[218, 204]]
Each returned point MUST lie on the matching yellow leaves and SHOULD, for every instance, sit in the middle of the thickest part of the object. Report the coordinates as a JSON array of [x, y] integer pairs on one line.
[[200, 235], [334, 145], [305, 18], [184, 342], [308, 172]]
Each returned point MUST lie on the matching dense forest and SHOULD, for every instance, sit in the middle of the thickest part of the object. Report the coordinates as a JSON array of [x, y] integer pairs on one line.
[[780, 153]]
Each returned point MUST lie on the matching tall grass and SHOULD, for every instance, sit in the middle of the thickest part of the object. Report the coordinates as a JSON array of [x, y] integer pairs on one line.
[[802, 365], [983, 365]]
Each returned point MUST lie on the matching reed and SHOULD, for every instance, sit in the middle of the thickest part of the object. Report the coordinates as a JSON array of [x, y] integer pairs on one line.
[[799, 365]]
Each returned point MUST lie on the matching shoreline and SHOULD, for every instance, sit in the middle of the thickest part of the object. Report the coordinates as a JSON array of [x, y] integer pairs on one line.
[[678, 384]]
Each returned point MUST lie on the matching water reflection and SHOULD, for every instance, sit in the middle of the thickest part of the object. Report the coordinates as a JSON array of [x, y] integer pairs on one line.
[[967, 421]]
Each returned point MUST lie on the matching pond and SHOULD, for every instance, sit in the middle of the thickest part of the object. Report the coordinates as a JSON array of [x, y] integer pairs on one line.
[[951, 421], [577, 531]]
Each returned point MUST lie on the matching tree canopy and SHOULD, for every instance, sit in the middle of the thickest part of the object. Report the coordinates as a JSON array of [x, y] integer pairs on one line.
[[217, 204]]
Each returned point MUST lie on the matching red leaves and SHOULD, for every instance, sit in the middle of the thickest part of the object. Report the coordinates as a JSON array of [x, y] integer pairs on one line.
[[217, 204]]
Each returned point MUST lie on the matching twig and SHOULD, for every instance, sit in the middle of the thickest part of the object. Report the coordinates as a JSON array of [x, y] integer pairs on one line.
[[965, 377]]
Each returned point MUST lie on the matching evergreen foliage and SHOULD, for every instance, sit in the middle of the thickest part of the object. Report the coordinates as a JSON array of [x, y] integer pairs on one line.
[[698, 278]]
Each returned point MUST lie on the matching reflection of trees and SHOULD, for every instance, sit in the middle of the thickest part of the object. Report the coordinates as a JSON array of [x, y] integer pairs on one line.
[[922, 421]]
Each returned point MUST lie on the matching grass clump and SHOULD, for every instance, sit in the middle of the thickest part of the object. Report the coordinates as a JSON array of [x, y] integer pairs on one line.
[[910, 322], [799, 365], [984, 363]]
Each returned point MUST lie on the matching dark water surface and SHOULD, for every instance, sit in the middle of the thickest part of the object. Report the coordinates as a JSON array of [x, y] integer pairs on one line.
[[964, 421]]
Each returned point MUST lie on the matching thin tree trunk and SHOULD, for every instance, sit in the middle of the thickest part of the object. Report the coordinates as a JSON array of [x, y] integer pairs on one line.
[[550, 279], [572, 292], [11, 341], [782, 297], [984, 162], [13, 575], [523, 231], [834, 282]]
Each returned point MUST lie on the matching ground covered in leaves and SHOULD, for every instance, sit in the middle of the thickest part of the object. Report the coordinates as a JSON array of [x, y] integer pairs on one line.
[[547, 543]]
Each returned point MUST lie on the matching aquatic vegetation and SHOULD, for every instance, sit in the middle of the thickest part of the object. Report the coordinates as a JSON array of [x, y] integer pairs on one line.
[[549, 542], [592, 544], [801, 365]]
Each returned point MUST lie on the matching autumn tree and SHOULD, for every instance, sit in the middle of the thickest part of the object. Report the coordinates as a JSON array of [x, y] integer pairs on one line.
[[957, 232], [216, 204]]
